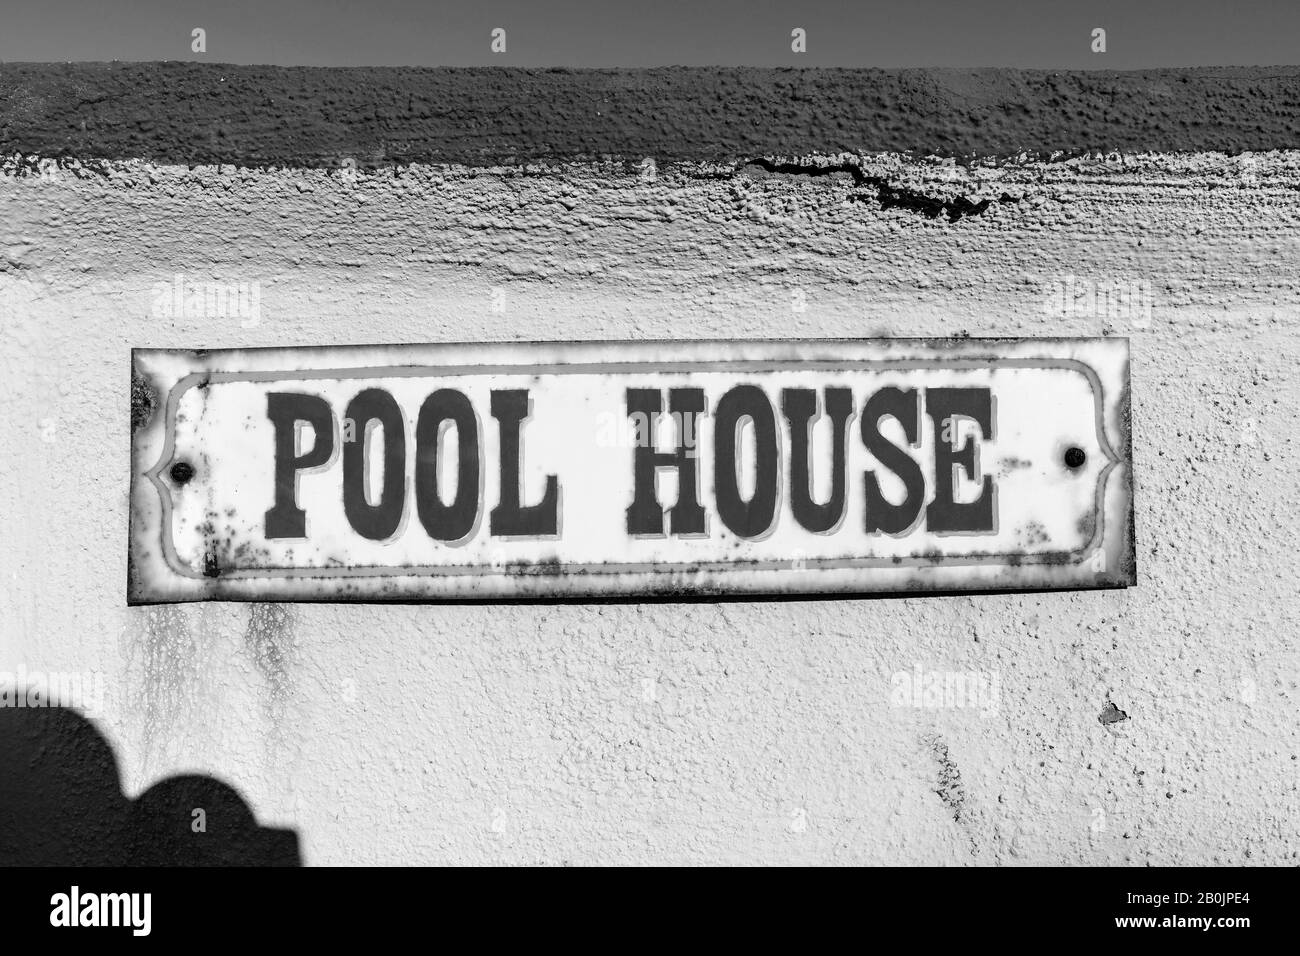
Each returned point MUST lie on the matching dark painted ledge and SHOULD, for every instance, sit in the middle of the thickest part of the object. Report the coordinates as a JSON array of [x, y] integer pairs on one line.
[[279, 116]]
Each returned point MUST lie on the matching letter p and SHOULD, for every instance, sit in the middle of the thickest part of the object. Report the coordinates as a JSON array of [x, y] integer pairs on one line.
[[286, 410]]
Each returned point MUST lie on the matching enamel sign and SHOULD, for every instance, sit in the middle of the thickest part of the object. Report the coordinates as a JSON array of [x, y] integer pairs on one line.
[[630, 469]]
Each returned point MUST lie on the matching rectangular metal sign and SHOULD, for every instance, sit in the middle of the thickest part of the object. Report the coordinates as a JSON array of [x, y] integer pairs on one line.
[[656, 469]]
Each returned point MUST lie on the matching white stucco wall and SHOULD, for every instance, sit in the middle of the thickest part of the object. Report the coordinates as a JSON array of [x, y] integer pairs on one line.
[[736, 732]]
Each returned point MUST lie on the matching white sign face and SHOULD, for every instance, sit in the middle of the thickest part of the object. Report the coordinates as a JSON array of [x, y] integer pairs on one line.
[[664, 469]]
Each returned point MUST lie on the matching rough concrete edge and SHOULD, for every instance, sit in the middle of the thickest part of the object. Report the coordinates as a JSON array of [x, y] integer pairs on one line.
[[931, 187], [191, 113]]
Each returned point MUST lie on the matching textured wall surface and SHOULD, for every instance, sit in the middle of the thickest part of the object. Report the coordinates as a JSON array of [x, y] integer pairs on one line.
[[1150, 725]]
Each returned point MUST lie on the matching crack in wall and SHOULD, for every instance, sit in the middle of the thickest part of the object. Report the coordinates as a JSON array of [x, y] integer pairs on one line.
[[1110, 714], [950, 790], [888, 194]]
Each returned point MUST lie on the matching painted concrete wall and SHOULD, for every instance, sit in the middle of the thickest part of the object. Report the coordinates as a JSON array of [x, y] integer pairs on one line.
[[1152, 725]]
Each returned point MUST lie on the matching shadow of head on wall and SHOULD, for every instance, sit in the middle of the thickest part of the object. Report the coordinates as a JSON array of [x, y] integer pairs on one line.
[[61, 804]]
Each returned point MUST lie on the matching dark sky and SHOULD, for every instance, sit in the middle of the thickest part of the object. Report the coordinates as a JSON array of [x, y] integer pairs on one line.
[[1051, 34]]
